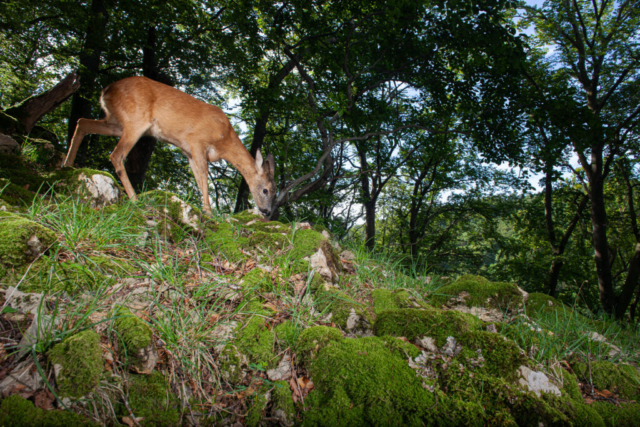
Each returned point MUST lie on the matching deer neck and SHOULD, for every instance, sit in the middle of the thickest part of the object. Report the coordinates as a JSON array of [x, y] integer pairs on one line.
[[241, 159]]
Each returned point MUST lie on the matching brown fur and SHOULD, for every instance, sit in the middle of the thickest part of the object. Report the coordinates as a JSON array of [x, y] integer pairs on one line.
[[138, 106]]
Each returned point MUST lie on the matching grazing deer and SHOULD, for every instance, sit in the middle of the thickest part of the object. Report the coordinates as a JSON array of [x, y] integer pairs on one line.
[[138, 106]]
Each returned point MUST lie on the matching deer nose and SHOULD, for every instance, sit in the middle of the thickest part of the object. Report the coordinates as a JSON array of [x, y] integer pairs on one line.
[[265, 212]]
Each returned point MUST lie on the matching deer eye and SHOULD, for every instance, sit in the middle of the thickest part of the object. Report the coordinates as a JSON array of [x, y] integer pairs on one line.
[[265, 191]]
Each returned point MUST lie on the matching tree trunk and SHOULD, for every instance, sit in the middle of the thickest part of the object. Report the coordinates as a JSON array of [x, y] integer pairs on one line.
[[82, 101], [370, 216], [633, 272], [600, 243], [552, 277], [138, 159], [29, 111]]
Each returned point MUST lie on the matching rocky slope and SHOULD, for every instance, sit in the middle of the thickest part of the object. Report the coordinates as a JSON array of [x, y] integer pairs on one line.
[[147, 313]]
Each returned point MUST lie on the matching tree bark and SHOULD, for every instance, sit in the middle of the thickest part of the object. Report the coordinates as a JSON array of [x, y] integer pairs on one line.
[[82, 101], [600, 243], [633, 272], [29, 111]]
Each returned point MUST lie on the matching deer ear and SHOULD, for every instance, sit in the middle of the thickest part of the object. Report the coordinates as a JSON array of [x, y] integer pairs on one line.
[[259, 161], [272, 164]]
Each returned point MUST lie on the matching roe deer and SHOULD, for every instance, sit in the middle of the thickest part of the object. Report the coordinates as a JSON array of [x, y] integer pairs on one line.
[[138, 106]]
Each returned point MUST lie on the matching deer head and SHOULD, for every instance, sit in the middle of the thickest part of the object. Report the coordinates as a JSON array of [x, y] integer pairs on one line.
[[264, 185]]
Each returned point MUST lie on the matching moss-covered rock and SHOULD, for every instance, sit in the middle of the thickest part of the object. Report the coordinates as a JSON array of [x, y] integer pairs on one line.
[[434, 323], [226, 241], [21, 241], [17, 411], [314, 339], [268, 241], [625, 415], [254, 344], [282, 408], [78, 363], [476, 291], [151, 399], [136, 340], [622, 379], [257, 407], [305, 243], [97, 188], [539, 302], [179, 211], [345, 312], [15, 195], [362, 382], [386, 299]]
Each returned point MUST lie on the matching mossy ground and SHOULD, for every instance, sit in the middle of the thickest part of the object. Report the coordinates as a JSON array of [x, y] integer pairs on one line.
[[151, 399], [15, 233], [81, 363], [17, 411], [274, 305], [132, 332], [476, 291]]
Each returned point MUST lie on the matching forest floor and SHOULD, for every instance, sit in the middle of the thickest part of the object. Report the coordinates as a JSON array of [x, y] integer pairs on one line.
[[148, 313]]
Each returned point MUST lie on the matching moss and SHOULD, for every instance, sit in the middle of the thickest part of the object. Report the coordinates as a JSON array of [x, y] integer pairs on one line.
[[172, 205], [232, 363], [133, 332], [287, 333], [15, 232], [621, 379], [15, 169], [47, 275], [15, 195], [68, 182], [401, 348], [305, 243], [479, 292], [17, 411], [258, 405], [282, 403], [41, 152], [247, 216], [256, 341], [434, 323], [385, 299], [340, 306], [270, 241], [361, 382], [320, 228], [541, 302], [625, 415], [80, 357], [314, 339], [226, 242], [151, 399]]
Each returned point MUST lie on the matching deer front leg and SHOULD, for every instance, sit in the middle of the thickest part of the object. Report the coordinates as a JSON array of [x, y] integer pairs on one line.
[[199, 167]]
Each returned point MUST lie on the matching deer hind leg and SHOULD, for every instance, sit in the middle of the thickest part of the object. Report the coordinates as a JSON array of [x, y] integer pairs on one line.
[[87, 126], [199, 167], [130, 136]]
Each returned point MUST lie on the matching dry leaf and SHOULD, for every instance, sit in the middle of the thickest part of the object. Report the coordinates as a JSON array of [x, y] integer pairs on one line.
[[130, 422], [271, 306], [44, 399]]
